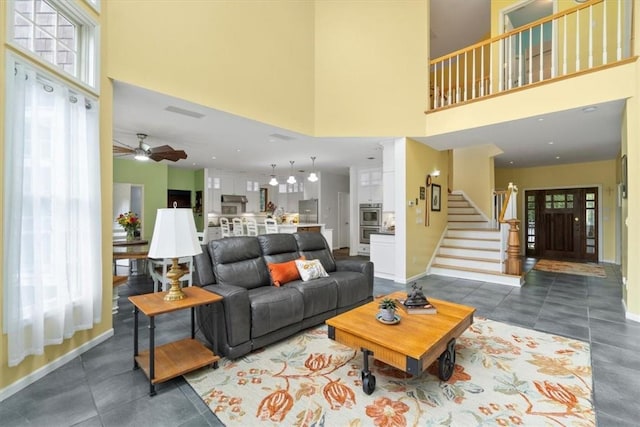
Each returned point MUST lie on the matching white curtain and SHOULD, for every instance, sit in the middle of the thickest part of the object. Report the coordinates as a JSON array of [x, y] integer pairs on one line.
[[52, 224]]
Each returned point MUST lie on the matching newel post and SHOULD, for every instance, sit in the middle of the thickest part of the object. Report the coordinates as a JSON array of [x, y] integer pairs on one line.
[[514, 263]]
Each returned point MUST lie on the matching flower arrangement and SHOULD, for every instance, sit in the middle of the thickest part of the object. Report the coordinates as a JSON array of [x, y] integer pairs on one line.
[[130, 222]]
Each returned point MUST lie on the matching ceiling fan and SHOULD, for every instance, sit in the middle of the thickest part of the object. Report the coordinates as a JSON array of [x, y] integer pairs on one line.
[[145, 152]]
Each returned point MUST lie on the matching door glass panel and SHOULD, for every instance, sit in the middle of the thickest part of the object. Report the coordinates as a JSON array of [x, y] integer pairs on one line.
[[570, 205], [558, 197], [558, 205], [570, 197], [591, 205], [547, 205], [591, 250], [591, 196]]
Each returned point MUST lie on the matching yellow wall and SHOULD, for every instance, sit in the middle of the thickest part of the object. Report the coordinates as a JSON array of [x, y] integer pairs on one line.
[[53, 352], [422, 241], [251, 58], [572, 175], [365, 84], [473, 174]]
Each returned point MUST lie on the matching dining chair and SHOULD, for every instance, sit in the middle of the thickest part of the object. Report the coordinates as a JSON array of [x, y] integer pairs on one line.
[[225, 229], [252, 227], [270, 225], [202, 236], [238, 228]]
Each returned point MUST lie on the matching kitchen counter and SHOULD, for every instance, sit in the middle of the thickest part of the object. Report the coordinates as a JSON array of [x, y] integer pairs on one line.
[[385, 233]]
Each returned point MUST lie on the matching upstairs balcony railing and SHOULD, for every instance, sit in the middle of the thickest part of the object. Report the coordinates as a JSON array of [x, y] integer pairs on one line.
[[587, 37]]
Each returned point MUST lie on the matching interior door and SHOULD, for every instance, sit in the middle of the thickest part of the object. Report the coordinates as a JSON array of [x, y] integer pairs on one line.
[[343, 220]]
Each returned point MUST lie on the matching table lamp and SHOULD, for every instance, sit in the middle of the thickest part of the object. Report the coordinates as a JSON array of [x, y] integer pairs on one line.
[[174, 236]]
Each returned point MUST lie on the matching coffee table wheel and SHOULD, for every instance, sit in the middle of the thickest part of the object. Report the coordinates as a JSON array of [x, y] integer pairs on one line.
[[214, 365], [447, 361], [368, 382]]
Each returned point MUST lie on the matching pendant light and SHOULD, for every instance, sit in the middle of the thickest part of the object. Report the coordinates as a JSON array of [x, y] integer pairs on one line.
[[312, 176], [291, 179], [273, 181]]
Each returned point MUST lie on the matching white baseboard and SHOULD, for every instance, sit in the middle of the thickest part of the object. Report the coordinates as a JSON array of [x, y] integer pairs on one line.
[[411, 279], [631, 316], [40, 373]]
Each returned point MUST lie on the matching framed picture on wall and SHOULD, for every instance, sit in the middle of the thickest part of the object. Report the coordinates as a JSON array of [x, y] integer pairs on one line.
[[436, 201]]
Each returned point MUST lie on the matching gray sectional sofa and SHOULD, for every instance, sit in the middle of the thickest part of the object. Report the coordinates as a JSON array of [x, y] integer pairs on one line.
[[254, 313]]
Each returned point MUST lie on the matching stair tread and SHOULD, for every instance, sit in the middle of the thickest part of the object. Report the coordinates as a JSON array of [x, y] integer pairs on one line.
[[468, 258], [478, 229], [473, 270], [472, 238], [470, 249]]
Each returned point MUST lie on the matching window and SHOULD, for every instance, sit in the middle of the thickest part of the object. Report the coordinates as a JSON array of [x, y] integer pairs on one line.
[[52, 247], [59, 34]]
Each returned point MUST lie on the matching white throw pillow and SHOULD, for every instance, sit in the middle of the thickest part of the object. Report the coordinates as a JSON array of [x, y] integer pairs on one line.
[[311, 269]]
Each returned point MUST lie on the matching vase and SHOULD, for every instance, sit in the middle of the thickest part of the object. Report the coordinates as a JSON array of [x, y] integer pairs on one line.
[[388, 315], [131, 234]]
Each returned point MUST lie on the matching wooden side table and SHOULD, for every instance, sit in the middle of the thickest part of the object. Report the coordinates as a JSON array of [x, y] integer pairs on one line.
[[171, 360]]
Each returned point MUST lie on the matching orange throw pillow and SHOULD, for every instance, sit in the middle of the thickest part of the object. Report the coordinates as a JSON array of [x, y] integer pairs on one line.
[[283, 272]]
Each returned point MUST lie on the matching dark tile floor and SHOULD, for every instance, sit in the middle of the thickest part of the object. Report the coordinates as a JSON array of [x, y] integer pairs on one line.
[[100, 388]]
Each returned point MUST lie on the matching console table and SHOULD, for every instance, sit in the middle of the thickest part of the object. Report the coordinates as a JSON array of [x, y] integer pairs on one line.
[[171, 360]]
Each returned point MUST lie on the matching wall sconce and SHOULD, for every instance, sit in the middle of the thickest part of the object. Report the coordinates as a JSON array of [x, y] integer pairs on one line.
[[435, 173]]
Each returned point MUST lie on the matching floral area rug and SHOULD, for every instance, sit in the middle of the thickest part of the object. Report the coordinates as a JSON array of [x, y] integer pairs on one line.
[[504, 376], [579, 268]]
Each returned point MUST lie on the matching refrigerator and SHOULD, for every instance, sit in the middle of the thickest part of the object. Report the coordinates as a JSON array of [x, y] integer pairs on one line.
[[308, 211]]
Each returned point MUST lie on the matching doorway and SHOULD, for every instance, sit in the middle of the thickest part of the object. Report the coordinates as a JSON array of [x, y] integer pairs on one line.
[[127, 197], [343, 220], [527, 56], [562, 223]]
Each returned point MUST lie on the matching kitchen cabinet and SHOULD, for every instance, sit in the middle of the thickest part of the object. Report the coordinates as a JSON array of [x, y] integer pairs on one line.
[[383, 248], [363, 249], [310, 229], [370, 185], [214, 233]]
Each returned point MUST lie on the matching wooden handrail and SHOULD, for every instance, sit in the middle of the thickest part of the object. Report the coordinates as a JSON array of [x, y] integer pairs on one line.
[[505, 203], [518, 30]]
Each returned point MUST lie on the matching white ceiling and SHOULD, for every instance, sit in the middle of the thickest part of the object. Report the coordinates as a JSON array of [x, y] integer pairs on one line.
[[243, 145]]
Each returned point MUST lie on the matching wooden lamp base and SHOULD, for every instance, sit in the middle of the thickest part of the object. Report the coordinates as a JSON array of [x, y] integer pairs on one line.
[[174, 274]]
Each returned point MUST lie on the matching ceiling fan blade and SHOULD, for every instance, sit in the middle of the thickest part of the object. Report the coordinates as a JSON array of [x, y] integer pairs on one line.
[[162, 149], [173, 156], [123, 144], [122, 150]]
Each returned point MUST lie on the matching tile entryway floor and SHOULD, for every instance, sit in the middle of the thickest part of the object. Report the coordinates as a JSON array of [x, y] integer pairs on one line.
[[100, 388]]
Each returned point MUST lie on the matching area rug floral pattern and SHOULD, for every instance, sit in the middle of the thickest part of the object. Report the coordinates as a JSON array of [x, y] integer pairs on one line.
[[504, 376], [582, 269]]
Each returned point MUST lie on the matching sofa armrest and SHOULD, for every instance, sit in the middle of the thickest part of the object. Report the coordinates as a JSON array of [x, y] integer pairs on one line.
[[237, 312], [364, 267]]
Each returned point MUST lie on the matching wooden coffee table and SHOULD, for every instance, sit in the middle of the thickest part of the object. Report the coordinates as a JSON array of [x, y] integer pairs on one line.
[[411, 345]]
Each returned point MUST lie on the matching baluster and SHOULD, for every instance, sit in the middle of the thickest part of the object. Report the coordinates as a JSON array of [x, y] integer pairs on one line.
[[564, 47], [590, 37], [541, 50], [604, 34], [577, 41], [619, 32], [458, 78]]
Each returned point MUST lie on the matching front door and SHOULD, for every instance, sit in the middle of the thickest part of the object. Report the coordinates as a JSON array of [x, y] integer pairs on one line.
[[562, 223]]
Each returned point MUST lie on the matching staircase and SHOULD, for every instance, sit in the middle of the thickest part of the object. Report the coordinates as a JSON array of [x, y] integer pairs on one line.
[[471, 247]]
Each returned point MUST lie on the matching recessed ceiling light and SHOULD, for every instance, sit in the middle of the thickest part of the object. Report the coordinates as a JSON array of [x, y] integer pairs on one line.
[[213, 157], [550, 142], [540, 119], [238, 150], [557, 157], [589, 109], [511, 162]]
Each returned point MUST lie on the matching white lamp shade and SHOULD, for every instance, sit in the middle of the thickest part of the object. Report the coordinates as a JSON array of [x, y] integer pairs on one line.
[[174, 234]]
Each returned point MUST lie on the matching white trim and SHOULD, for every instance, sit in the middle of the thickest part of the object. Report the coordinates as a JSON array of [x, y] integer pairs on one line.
[[50, 367], [631, 316], [411, 279]]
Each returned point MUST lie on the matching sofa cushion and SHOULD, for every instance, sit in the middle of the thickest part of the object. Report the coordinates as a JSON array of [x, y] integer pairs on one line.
[[274, 308], [314, 246], [319, 296], [203, 269], [310, 270], [238, 261], [283, 272], [278, 248]]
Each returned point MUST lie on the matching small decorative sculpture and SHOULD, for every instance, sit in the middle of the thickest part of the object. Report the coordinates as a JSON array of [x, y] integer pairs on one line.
[[416, 297]]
